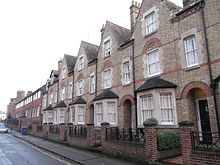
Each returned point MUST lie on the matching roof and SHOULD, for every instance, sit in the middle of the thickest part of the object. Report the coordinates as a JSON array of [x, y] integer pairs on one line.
[[91, 50], [155, 83], [78, 100], [54, 72], [120, 33], [70, 62], [48, 108], [106, 94], [60, 104]]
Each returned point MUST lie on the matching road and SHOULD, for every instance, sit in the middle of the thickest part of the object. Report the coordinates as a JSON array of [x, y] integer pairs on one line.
[[16, 152]]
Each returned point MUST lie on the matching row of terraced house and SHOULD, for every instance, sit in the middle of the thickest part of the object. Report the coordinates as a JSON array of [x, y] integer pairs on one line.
[[166, 67]]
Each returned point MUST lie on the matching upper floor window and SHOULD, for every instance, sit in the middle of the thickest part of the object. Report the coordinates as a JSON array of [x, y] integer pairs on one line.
[[64, 72], [107, 47], [55, 97], [150, 23], [107, 78], [80, 87], [81, 63], [92, 83], [51, 97], [62, 93], [70, 90], [191, 51], [127, 72], [153, 62]]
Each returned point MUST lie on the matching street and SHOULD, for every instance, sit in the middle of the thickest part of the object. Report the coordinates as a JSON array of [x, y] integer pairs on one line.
[[16, 152]]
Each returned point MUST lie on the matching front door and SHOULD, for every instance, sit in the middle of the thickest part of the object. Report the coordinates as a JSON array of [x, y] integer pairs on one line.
[[205, 121]]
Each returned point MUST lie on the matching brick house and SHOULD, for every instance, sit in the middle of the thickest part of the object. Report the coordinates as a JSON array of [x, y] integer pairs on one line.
[[29, 108]]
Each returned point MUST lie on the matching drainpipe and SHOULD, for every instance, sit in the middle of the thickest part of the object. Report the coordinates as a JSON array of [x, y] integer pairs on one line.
[[212, 85], [134, 85], [96, 75], [73, 87]]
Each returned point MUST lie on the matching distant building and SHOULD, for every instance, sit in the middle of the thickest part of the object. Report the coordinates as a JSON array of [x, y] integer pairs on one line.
[[2, 115]]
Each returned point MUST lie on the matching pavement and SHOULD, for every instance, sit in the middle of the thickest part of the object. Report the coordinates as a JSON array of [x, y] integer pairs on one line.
[[74, 155]]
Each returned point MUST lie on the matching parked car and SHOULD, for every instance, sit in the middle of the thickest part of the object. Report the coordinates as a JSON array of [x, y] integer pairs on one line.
[[3, 129]]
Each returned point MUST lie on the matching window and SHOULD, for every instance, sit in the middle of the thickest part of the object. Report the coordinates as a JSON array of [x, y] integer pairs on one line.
[[107, 48], [191, 51], [55, 116], [49, 117], [166, 107], [70, 90], [92, 83], [147, 107], [127, 72], [107, 78], [81, 63], [73, 114], [111, 112], [55, 97], [153, 63], [62, 115], [99, 113], [64, 73], [62, 93], [80, 87], [81, 114], [51, 97], [150, 23]]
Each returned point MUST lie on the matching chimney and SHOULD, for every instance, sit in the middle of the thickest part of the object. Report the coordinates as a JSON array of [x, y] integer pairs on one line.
[[102, 30], [134, 10], [187, 3], [29, 93], [60, 64], [20, 95]]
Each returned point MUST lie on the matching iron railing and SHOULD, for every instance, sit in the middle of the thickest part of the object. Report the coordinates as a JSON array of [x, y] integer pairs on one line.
[[39, 128], [12, 121], [54, 129], [125, 134], [208, 141], [30, 127], [80, 131]]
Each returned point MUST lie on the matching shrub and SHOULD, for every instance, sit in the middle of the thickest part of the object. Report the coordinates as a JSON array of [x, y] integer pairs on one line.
[[168, 139]]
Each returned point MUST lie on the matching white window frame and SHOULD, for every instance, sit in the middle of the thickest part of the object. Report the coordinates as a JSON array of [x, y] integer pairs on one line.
[[70, 91], [150, 23], [51, 97], [107, 50], [55, 116], [81, 113], [147, 109], [127, 72], [105, 79], [156, 63], [61, 117], [99, 113], [63, 72], [92, 83], [193, 51], [111, 113], [157, 113], [55, 97], [73, 115], [80, 87], [62, 94], [49, 117], [105, 112], [81, 63]]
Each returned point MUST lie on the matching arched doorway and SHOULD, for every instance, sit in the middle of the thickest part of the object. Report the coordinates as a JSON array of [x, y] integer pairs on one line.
[[91, 114], [197, 97], [127, 108]]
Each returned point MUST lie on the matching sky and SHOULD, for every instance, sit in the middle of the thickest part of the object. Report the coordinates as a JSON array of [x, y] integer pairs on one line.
[[35, 34]]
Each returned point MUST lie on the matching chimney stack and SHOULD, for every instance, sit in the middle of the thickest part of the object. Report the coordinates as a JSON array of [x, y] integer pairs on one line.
[[20, 95], [134, 10], [187, 3], [102, 30]]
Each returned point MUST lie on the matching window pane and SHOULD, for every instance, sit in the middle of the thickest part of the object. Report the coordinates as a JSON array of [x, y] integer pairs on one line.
[[153, 62], [99, 113], [147, 107], [166, 107], [111, 112], [191, 51]]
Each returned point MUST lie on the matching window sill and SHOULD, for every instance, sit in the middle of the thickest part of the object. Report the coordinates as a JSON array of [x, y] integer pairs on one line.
[[126, 84], [192, 68], [148, 35], [154, 75], [105, 57]]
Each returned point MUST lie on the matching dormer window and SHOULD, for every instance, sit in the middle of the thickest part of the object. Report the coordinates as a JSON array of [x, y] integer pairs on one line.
[[81, 63], [107, 47], [150, 23]]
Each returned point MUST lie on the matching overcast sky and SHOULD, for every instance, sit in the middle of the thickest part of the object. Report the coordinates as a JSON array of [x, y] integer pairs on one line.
[[35, 34]]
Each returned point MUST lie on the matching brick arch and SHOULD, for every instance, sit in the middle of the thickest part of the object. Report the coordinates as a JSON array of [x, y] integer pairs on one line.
[[149, 43], [90, 103], [193, 85], [81, 76], [107, 64], [127, 97]]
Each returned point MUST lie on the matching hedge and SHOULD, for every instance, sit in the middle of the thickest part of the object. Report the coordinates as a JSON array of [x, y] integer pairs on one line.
[[168, 139]]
